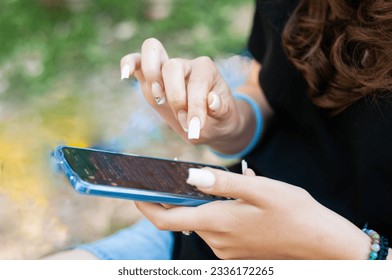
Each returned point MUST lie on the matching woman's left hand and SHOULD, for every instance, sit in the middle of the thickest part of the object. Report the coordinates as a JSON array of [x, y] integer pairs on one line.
[[268, 219]]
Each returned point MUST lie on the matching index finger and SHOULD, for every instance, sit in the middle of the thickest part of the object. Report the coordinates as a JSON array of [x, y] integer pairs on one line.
[[153, 56]]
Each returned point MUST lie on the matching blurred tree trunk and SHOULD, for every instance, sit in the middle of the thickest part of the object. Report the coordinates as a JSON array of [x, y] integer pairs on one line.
[[157, 9]]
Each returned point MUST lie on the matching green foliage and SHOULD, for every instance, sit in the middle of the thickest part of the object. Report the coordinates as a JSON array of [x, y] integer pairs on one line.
[[42, 41]]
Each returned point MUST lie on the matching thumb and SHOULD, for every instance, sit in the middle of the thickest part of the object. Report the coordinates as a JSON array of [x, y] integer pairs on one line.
[[219, 104], [226, 184], [214, 102]]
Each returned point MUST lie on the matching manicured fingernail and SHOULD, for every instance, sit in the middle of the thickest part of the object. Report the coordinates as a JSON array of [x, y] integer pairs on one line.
[[125, 72], [182, 118], [244, 166], [214, 101], [194, 128], [201, 178], [157, 92]]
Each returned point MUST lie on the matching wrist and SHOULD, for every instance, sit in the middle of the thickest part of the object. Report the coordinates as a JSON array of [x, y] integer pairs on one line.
[[246, 133], [379, 244], [350, 244], [332, 237], [231, 139]]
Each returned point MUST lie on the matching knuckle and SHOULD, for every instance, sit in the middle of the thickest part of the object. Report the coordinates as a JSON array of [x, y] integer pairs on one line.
[[131, 59], [124, 60], [204, 70], [161, 224], [204, 60], [222, 254], [177, 102], [171, 64], [228, 186], [301, 192]]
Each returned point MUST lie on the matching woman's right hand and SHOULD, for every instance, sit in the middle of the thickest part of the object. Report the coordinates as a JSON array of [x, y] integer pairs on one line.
[[190, 95]]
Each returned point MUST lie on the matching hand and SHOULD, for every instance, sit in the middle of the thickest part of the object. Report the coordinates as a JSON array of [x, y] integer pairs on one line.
[[185, 92], [268, 219]]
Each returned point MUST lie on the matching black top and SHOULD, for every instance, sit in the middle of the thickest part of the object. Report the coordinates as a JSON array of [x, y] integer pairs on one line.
[[344, 162]]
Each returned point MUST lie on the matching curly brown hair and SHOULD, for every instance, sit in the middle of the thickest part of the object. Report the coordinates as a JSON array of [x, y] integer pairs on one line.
[[343, 48]]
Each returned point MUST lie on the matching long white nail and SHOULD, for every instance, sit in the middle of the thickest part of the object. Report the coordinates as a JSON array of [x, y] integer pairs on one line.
[[182, 119], [194, 128], [125, 72], [158, 94], [214, 101], [200, 178], [244, 166]]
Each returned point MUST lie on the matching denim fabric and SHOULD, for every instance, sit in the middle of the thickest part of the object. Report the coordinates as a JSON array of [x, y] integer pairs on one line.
[[141, 241]]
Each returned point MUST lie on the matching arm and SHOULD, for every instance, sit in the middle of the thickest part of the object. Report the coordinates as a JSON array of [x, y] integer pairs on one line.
[[269, 220], [182, 90]]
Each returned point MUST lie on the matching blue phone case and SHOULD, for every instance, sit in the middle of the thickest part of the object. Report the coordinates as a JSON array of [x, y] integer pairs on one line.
[[84, 187]]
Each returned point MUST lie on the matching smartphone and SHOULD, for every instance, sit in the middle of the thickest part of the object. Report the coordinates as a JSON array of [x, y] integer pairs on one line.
[[128, 176]]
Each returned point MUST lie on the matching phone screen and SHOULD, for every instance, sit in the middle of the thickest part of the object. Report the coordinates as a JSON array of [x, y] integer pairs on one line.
[[137, 172]]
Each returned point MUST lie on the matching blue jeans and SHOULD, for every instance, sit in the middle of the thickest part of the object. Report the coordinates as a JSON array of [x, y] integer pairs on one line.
[[141, 241]]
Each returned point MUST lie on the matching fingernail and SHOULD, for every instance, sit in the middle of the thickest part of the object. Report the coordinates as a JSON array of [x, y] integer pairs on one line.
[[194, 128], [214, 101], [125, 72], [157, 92], [201, 178], [244, 166], [182, 118]]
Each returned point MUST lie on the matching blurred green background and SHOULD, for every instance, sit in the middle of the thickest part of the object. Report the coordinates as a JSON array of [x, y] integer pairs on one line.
[[60, 84]]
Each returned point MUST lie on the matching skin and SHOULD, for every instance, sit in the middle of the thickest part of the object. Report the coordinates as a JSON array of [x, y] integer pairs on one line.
[[187, 86], [268, 219]]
